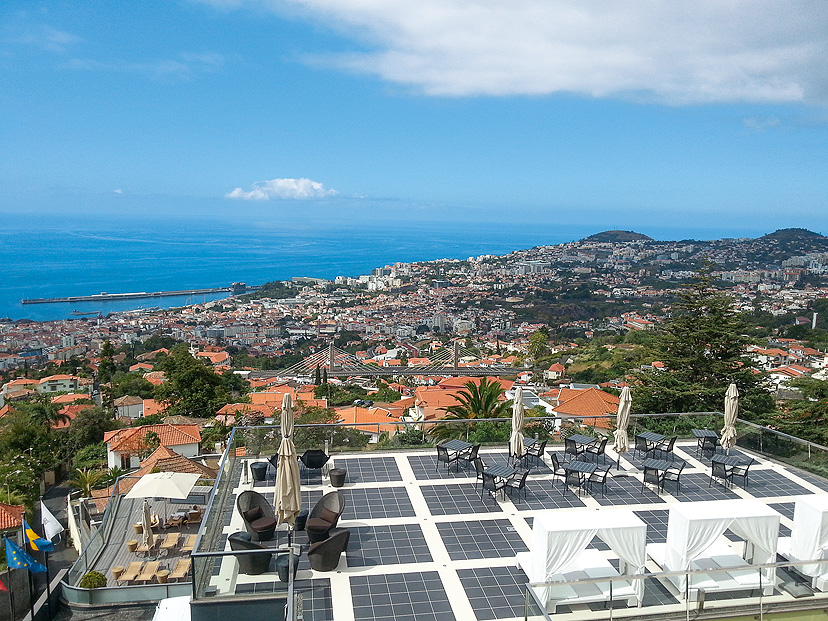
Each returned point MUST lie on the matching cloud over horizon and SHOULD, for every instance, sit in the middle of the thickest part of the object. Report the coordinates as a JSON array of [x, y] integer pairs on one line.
[[297, 189], [707, 51]]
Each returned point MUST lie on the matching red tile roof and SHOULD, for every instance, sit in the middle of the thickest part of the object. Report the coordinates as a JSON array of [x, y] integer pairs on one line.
[[132, 438]]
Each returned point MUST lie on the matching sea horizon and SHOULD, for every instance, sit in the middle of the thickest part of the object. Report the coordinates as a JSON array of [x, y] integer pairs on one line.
[[87, 256]]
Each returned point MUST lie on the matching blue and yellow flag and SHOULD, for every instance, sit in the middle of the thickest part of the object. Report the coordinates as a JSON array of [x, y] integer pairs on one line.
[[17, 558], [36, 541]]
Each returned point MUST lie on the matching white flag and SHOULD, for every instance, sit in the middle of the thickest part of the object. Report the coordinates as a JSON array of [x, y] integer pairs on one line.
[[51, 526]]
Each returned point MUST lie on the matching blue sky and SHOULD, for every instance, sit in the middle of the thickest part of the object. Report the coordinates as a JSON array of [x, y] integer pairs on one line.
[[626, 115]]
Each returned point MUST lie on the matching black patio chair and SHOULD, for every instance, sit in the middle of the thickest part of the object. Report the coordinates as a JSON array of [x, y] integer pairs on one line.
[[598, 449], [314, 459], [720, 471], [251, 564], [673, 473], [324, 516], [445, 456], [573, 479], [492, 483], [324, 555], [517, 481], [273, 460], [557, 469], [573, 448], [742, 471], [469, 455], [537, 449], [653, 477], [599, 477], [707, 446], [479, 467], [258, 515], [665, 447], [642, 446]]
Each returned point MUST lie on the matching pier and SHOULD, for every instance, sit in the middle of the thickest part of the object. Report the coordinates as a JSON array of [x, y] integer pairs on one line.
[[236, 288]]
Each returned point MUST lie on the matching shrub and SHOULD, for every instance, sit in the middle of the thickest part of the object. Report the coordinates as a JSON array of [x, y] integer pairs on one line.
[[93, 580]]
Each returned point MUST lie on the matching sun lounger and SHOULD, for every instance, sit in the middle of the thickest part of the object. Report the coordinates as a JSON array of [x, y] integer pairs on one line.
[[170, 541], [144, 549], [181, 569], [131, 573], [149, 571], [189, 543]]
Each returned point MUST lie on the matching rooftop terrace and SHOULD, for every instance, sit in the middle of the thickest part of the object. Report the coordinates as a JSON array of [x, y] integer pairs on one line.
[[426, 545]]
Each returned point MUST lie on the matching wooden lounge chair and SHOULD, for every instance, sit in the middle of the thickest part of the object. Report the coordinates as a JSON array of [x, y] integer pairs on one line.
[[189, 543], [170, 541], [194, 515], [149, 571], [181, 569], [145, 549], [131, 573]]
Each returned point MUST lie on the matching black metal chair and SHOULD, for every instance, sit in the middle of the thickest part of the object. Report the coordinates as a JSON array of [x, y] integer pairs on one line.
[[324, 555], [445, 456], [557, 469], [599, 477], [517, 481], [251, 564], [598, 449], [492, 483], [641, 446], [479, 467], [273, 460], [665, 447], [573, 448], [324, 516], [720, 471], [742, 471], [653, 477], [469, 455], [258, 515], [707, 446], [673, 473], [314, 459], [537, 449], [573, 478]]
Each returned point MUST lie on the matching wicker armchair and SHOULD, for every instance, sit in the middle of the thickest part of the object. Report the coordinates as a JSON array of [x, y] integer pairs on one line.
[[251, 564], [324, 555], [324, 516], [258, 515]]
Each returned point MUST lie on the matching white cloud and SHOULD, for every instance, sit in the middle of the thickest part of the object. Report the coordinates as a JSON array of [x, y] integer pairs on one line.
[[118, 191], [653, 50], [282, 188], [183, 67], [761, 124], [42, 36]]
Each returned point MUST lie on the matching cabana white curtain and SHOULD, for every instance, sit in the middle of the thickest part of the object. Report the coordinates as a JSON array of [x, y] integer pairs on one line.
[[809, 536], [694, 526], [557, 542]]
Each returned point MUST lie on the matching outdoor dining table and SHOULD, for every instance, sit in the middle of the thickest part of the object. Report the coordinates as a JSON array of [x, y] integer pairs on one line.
[[660, 465], [458, 446], [727, 460], [705, 433], [500, 471], [583, 468], [581, 439], [649, 436]]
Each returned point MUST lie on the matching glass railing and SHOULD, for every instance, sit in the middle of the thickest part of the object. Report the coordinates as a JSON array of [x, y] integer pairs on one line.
[[717, 592]]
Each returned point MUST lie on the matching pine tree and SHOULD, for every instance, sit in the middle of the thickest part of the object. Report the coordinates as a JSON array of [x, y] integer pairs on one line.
[[324, 375], [703, 349], [317, 377]]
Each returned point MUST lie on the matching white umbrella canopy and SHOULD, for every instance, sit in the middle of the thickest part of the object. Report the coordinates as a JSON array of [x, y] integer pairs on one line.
[[164, 485], [288, 499], [622, 441], [516, 447], [146, 525], [731, 411]]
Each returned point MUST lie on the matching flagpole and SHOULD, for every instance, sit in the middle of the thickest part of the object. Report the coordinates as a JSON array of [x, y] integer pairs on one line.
[[46, 563], [31, 595]]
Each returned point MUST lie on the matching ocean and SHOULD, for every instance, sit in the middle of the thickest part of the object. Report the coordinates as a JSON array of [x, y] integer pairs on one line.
[[88, 256], [46, 256]]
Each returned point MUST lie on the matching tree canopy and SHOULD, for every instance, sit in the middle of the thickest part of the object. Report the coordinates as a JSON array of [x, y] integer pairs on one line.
[[191, 388]]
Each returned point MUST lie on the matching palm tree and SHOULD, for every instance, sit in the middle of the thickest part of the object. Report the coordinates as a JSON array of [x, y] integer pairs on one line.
[[85, 479], [477, 400], [44, 412], [110, 476]]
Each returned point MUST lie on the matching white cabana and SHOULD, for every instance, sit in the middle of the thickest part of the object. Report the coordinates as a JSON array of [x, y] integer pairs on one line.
[[693, 543], [559, 553], [809, 538]]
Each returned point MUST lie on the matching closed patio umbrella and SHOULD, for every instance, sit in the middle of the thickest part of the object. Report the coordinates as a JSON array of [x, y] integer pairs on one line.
[[146, 525], [731, 411], [622, 441], [516, 448], [288, 499]]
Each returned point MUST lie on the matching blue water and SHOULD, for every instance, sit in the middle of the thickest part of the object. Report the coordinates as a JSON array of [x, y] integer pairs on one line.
[[63, 256]]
